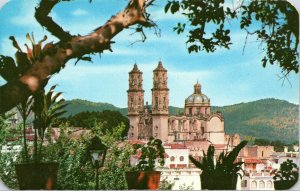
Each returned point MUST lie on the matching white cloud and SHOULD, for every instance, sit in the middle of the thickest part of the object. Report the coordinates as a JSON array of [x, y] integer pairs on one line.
[[160, 15], [79, 12], [3, 2], [25, 16]]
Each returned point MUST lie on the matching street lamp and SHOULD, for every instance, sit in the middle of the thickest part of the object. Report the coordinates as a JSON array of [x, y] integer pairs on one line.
[[97, 151]]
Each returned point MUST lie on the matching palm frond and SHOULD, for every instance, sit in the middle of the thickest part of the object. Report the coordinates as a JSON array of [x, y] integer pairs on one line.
[[198, 164]]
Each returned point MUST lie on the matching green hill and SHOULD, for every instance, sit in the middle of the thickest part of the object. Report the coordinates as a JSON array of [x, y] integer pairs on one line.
[[267, 118], [271, 119], [77, 105]]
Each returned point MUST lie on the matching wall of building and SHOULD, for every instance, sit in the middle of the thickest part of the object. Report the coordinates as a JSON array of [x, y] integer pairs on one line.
[[160, 127], [133, 127], [257, 181], [215, 130], [265, 151], [177, 158], [255, 167]]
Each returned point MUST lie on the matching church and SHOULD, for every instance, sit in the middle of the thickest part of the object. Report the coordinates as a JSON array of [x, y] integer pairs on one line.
[[196, 124]]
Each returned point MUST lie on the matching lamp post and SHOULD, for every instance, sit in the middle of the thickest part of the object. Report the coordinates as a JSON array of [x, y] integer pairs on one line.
[[97, 151]]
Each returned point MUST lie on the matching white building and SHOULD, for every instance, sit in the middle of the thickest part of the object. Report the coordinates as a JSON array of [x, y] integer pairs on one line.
[[257, 181]]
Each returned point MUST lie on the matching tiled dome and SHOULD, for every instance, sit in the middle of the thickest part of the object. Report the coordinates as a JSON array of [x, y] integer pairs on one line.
[[197, 97]]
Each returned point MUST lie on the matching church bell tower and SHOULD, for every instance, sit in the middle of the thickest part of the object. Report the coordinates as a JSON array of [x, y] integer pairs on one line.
[[135, 101], [160, 103]]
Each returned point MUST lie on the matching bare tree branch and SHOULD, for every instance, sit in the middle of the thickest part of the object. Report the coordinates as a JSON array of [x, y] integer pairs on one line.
[[42, 16]]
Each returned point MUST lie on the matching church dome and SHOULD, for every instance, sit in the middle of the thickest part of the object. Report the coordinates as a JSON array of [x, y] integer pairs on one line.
[[197, 97]]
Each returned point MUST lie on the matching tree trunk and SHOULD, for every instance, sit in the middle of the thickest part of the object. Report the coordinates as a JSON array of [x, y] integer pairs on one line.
[[54, 56]]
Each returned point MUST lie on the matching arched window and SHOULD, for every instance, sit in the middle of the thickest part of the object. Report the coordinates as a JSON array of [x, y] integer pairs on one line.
[[253, 184], [202, 130], [181, 158], [140, 103], [244, 183], [198, 110], [132, 134], [261, 184], [131, 105], [172, 158], [269, 184]]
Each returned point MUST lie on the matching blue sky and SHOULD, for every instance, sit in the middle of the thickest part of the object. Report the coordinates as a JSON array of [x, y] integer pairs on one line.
[[227, 76]]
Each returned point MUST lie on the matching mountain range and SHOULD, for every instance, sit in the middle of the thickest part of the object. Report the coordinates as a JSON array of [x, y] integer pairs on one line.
[[269, 118]]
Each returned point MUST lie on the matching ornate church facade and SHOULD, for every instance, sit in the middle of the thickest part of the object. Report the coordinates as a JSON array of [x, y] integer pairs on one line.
[[197, 123]]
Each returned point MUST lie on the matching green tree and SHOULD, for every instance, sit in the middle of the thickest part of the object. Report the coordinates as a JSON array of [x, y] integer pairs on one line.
[[117, 158], [3, 128], [109, 120], [278, 145], [46, 108], [76, 171], [7, 170], [10, 157], [275, 24], [261, 142], [25, 108]]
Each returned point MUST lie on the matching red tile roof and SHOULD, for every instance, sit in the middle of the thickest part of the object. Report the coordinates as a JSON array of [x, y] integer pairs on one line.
[[220, 146], [253, 160], [175, 145], [134, 142]]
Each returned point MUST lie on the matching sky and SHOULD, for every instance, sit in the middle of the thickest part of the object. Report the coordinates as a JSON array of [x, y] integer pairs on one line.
[[227, 76]]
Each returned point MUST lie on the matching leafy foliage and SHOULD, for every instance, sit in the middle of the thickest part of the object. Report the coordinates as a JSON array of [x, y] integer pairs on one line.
[[4, 128], [46, 108], [288, 171], [108, 119], [225, 165], [7, 170], [8, 159], [113, 176], [148, 155], [278, 29], [12, 70], [76, 171], [165, 184], [199, 14], [186, 187]]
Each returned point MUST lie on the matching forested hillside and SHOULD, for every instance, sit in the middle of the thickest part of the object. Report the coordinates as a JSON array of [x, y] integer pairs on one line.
[[271, 119]]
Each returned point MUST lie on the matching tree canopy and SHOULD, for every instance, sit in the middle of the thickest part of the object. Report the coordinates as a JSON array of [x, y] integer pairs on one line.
[[275, 24], [109, 120]]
